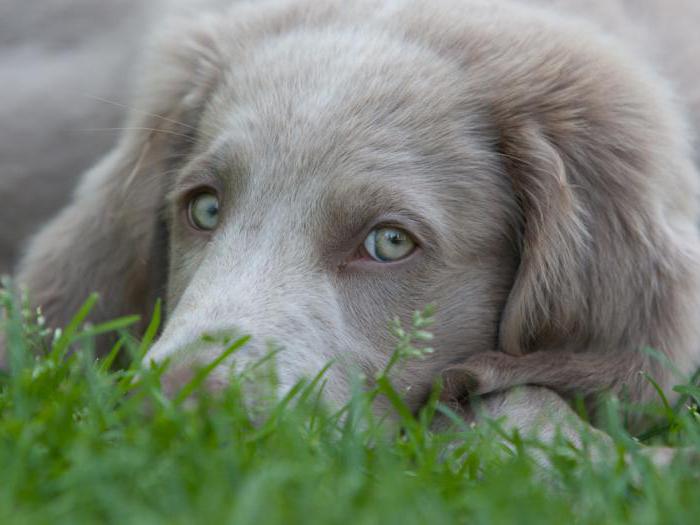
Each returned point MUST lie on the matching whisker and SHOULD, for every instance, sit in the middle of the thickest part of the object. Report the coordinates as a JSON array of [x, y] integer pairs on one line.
[[141, 166], [153, 130], [163, 158], [143, 112]]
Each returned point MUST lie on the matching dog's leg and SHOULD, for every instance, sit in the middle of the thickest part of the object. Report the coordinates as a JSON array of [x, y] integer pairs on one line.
[[541, 414], [568, 373], [534, 412]]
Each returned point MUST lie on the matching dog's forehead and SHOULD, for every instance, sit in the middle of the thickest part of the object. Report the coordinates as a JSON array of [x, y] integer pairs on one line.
[[330, 97], [322, 118]]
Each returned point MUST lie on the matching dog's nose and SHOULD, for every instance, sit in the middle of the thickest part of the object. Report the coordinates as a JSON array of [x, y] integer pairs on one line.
[[184, 380], [203, 364]]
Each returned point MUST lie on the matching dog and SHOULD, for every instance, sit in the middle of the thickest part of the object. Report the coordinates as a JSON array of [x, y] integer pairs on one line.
[[303, 171]]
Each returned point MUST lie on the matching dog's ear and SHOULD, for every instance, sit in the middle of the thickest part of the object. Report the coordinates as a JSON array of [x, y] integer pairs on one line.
[[109, 239], [549, 292], [606, 189]]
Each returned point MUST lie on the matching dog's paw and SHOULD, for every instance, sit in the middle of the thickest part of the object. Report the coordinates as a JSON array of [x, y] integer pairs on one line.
[[479, 374]]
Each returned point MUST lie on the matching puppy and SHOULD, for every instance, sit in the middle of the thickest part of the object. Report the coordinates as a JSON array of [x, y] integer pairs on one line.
[[302, 171]]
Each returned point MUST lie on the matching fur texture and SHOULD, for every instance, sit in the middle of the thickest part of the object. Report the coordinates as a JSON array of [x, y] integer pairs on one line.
[[543, 165]]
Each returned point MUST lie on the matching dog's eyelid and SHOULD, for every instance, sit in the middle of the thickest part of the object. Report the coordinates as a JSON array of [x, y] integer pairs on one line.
[[192, 184], [418, 229]]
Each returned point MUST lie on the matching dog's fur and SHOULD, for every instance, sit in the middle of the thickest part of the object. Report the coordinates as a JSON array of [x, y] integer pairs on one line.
[[544, 165]]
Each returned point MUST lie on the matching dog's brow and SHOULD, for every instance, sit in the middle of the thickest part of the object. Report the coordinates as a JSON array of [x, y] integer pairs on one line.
[[194, 179], [214, 169], [381, 204]]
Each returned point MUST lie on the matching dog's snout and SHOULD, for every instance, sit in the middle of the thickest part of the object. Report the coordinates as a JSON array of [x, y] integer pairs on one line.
[[173, 380], [178, 378]]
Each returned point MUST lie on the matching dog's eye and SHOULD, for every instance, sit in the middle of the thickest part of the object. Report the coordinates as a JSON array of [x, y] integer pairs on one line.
[[389, 244], [204, 211]]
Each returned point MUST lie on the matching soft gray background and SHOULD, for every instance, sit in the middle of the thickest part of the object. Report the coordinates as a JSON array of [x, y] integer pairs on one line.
[[55, 57]]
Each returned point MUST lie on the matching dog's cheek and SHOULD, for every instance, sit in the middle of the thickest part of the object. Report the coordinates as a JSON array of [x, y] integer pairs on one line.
[[185, 256], [469, 302]]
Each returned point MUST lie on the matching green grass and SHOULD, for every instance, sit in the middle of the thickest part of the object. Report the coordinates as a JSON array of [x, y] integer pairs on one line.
[[84, 442]]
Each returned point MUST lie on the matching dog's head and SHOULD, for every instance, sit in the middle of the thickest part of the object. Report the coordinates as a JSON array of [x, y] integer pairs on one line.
[[305, 173]]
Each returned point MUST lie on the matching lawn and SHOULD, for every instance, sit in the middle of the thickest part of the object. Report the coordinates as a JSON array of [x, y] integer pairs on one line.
[[86, 441]]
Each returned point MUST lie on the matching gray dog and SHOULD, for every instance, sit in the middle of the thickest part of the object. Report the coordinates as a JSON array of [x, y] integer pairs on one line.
[[303, 170]]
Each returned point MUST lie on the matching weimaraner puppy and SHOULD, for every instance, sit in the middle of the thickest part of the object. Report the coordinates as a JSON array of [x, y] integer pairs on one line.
[[303, 171]]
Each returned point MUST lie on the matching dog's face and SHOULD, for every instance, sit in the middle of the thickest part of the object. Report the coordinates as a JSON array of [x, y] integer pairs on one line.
[[330, 189], [322, 167]]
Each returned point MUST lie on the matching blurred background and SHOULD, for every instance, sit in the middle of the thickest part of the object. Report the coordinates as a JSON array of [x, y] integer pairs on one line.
[[60, 61]]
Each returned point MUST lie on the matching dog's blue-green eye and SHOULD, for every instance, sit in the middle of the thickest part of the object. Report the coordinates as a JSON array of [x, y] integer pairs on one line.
[[204, 211], [389, 244]]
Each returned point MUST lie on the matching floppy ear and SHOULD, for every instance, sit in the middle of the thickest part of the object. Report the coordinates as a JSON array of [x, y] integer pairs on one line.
[[110, 238], [606, 189], [606, 272], [609, 250], [549, 291]]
